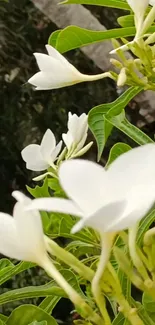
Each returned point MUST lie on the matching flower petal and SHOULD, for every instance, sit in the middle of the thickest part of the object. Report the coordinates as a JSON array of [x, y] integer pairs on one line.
[[68, 139], [56, 55], [56, 205], [41, 80], [48, 144], [55, 152], [131, 169], [29, 231], [138, 6], [102, 219], [77, 126], [140, 201], [9, 245], [33, 158], [84, 182]]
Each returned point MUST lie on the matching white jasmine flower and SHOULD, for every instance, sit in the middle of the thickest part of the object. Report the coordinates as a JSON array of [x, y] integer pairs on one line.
[[41, 157], [21, 236], [107, 200], [77, 133], [56, 71], [138, 6]]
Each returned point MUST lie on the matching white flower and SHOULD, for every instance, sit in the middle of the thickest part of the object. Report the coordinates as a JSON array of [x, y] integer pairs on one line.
[[107, 200], [21, 236], [56, 71], [77, 133], [138, 6], [41, 157]]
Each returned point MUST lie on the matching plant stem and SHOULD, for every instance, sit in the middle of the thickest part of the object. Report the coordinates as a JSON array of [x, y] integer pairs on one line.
[[106, 243], [134, 254], [129, 313], [84, 309], [54, 249]]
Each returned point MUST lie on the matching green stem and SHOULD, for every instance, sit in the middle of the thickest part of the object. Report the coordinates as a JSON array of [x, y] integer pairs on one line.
[[88, 274], [129, 313], [134, 254], [66, 257], [84, 309], [106, 243]]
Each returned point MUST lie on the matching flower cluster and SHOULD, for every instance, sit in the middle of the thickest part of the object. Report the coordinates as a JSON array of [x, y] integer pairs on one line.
[[41, 157], [106, 200]]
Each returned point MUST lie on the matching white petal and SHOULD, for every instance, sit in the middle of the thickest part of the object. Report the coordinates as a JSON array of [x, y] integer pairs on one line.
[[48, 144], [152, 2], [55, 152], [56, 77], [46, 62], [84, 182], [83, 126], [42, 81], [61, 71], [33, 158], [131, 169], [19, 196], [68, 139], [73, 125], [81, 143], [102, 219], [78, 126], [56, 205], [140, 201], [29, 232], [138, 6], [55, 54], [8, 238]]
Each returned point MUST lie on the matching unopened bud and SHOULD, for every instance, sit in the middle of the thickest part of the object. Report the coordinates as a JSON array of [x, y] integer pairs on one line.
[[116, 63], [122, 77], [150, 39]]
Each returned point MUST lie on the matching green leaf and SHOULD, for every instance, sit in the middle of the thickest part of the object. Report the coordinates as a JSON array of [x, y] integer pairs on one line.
[[1, 322], [145, 225], [120, 4], [39, 323], [26, 314], [119, 320], [39, 191], [49, 289], [145, 317], [121, 123], [117, 150], [148, 303], [8, 272], [73, 37], [99, 126], [49, 303], [3, 318], [53, 37]]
